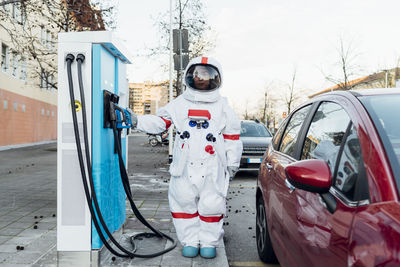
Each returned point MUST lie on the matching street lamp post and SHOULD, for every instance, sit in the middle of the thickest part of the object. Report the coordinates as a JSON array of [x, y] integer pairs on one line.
[[170, 133]]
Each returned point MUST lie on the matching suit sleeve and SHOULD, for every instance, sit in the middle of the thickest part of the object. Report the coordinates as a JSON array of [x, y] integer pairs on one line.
[[155, 124], [231, 134]]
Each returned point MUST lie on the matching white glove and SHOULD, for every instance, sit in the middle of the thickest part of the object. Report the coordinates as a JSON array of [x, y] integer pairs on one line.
[[232, 170]]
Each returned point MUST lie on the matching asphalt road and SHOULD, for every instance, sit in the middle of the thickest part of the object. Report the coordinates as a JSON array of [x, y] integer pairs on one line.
[[240, 231]]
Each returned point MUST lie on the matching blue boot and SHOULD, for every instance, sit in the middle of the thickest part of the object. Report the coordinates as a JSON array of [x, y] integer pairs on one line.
[[190, 252], [208, 252]]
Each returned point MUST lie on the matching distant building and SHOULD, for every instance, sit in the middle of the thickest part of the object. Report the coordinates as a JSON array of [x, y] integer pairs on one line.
[[389, 78], [28, 86], [147, 97]]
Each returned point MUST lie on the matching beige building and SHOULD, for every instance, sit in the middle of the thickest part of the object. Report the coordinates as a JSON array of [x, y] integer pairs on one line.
[[28, 74], [388, 78], [147, 97], [28, 101]]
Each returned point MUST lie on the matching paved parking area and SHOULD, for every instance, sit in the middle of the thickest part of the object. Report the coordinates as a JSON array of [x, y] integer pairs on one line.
[[28, 207], [27, 204]]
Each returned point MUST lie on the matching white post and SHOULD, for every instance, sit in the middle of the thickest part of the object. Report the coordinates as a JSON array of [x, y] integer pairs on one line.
[[170, 133]]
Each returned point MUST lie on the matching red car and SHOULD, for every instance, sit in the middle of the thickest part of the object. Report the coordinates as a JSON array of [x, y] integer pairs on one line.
[[328, 185]]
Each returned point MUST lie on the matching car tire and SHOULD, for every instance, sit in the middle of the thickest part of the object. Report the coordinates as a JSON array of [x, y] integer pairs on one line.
[[153, 142], [264, 246]]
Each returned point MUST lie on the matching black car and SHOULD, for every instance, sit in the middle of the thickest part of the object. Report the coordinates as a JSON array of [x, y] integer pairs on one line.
[[255, 138]]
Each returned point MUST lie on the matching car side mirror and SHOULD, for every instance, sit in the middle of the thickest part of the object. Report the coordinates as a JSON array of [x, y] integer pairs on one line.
[[312, 175]]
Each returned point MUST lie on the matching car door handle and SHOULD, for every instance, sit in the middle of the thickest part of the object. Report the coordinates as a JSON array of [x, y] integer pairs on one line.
[[269, 166], [290, 186]]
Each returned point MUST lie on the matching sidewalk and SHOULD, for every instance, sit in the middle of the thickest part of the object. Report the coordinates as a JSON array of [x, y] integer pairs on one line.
[[28, 189], [28, 205], [149, 177]]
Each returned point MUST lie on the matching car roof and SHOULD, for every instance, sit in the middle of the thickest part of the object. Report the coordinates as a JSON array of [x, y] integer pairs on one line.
[[249, 121], [375, 91], [364, 92]]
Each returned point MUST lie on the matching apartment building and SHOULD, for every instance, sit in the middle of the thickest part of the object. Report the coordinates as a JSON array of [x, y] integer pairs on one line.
[[147, 97], [28, 74]]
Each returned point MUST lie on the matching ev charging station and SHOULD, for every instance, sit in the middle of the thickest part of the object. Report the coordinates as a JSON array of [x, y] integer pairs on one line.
[[103, 62]]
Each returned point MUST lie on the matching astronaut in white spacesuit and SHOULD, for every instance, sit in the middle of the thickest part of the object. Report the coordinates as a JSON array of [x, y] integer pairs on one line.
[[206, 154]]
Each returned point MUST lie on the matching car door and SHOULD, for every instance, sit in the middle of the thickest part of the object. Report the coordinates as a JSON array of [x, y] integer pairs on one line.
[[277, 193], [320, 224]]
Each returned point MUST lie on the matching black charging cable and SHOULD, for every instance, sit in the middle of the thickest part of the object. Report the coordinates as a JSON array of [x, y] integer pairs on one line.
[[80, 59], [125, 180], [69, 59]]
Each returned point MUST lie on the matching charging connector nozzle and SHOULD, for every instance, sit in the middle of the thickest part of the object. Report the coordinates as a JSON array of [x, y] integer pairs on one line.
[[70, 57]]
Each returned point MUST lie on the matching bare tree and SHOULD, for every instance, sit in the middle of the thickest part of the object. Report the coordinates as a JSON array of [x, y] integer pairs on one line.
[[107, 9], [29, 38], [292, 95], [32, 29], [271, 118], [6, 2], [246, 112], [187, 14], [346, 52]]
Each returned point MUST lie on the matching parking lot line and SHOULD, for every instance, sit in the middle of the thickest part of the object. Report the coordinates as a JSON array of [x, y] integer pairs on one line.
[[250, 264]]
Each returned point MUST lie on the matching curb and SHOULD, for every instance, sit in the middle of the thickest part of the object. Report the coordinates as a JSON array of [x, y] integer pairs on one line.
[[2, 148]]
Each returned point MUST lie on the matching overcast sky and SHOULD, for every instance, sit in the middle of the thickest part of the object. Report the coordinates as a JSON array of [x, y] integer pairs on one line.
[[259, 41]]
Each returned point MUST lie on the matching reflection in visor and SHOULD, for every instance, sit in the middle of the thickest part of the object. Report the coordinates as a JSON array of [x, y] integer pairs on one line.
[[203, 77], [201, 72]]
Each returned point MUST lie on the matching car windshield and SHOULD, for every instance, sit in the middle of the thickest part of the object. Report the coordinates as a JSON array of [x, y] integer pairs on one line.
[[253, 130], [384, 110]]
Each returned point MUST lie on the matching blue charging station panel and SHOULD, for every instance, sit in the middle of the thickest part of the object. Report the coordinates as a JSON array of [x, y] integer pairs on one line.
[[105, 167]]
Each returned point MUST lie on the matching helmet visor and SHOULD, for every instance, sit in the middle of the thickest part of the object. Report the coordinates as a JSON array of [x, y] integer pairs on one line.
[[203, 77]]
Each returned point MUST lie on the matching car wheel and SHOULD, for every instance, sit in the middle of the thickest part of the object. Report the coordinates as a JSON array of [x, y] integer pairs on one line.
[[153, 142], [264, 246]]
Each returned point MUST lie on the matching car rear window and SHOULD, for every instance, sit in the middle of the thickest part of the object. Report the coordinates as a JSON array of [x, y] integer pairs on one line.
[[253, 130], [384, 111]]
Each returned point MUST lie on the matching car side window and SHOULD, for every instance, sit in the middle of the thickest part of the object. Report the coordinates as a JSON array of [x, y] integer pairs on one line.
[[277, 137], [350, 175], [326, 133], [289, 138]]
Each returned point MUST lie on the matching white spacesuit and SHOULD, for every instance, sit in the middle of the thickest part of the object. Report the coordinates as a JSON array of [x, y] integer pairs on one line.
[[206, 153]]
